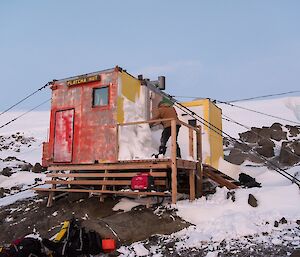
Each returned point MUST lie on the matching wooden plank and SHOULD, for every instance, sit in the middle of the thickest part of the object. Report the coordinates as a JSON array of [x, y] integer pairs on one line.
[[192, 185], [188, 125], [100, 191], [184, 164], [174, 161], [121, 166], [99, 182], [100, 175], [221, 181], [144, 122]]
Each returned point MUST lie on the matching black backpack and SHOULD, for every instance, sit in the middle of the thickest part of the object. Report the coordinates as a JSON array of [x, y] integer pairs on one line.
[[93, 243], [76, 242]]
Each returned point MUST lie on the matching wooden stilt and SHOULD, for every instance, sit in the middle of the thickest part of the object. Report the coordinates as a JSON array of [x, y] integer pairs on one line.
[[103, 187], [192, 184], [51, 195], [174, 161], [191, 143], [199, 172]]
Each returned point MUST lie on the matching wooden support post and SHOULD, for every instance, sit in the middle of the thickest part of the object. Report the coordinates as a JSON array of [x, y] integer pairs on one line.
[[192, 184], [117, 141], [174, 161], [191, 142], [103, 187], [199, 172], [51, 195]]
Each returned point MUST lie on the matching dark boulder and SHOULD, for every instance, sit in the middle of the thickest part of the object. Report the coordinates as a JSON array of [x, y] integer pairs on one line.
[[289, 153], [249, 137], [236, 156], [2, 192], [266, 151], [38, 168], [276, 126], [6, 172], [26, 167], [242, 146], [265, 132], [294, 130], [226, 142], [254, 158], [231, 195], [283, 220], [252, 201], [277, 133], [266, 142], [295, 253]]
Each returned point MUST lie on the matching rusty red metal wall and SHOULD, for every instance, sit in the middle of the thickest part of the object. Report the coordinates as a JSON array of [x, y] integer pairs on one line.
[[93, 133]]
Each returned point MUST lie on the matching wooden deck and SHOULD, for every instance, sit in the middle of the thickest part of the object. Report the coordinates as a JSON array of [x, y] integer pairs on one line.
[[128, 165], [118, 175]]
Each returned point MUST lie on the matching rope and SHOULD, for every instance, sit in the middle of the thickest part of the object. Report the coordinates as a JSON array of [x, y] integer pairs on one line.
[[25, 98], [220, 132], [23, 114], [245, 99], [262, 113], [264, 96], [244, 126]]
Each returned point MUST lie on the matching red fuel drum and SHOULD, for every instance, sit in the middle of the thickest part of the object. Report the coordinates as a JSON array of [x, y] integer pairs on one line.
[[142, 181]]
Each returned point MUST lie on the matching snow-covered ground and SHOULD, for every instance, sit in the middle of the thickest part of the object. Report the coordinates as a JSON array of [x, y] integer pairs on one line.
[[218, 219], [215, 218]]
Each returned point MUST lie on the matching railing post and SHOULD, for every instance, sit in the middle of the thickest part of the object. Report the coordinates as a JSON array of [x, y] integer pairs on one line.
[[199, 180], [191, 142], [192, 184], [174, 161], [117, 143]]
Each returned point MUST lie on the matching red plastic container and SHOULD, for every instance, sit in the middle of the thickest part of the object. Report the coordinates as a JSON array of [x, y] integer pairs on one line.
[[142, 181], [108, 245]]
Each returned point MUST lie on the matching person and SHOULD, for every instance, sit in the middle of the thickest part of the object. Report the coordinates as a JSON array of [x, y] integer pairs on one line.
[[165, 110]]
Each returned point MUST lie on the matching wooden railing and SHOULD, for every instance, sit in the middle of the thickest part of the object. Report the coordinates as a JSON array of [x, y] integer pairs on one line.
[[173, 157]]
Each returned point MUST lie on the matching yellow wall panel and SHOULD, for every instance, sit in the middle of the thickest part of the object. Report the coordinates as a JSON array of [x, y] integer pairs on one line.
[[216, 139], [213, 115], [131, 87], [120, 110]]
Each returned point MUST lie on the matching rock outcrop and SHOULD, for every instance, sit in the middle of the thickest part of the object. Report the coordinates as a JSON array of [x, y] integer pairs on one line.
[[278, 143]]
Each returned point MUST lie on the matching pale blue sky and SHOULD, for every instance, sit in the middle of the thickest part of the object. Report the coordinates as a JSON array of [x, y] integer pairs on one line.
[[219, 49]]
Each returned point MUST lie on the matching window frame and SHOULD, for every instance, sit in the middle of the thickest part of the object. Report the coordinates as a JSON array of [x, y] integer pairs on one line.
[[108, 97]]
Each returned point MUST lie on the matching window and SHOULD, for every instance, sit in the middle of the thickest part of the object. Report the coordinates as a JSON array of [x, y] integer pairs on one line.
[[101, 96]]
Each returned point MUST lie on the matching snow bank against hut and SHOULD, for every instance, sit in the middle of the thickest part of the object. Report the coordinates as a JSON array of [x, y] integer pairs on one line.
[[135, 141]]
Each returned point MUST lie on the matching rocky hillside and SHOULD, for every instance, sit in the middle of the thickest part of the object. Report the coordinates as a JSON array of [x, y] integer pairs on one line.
[[278, 143]]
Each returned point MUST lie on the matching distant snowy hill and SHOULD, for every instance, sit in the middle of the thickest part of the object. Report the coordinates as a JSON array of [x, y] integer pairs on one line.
[[33, 125], [287, 108]]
